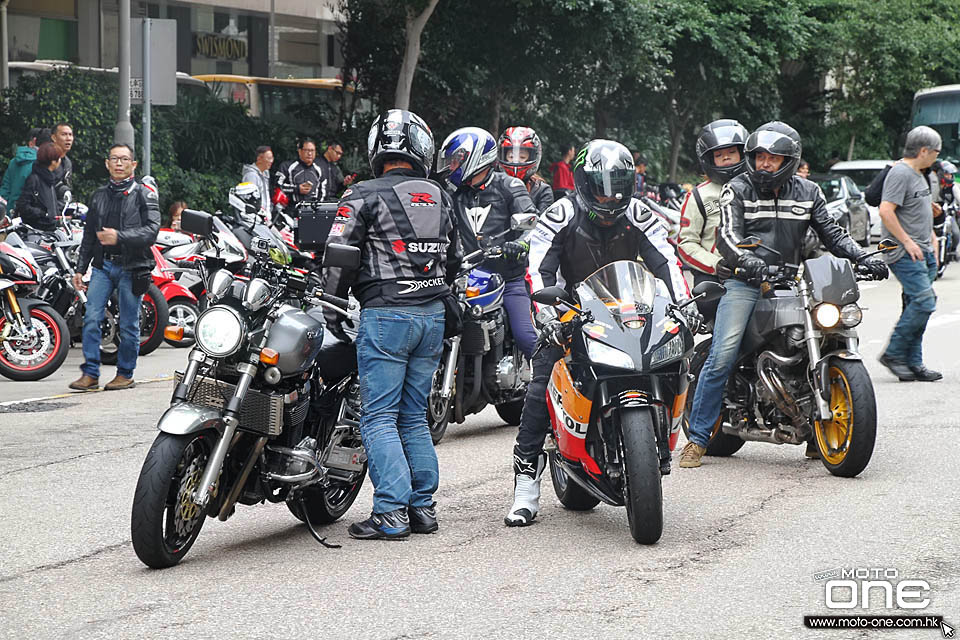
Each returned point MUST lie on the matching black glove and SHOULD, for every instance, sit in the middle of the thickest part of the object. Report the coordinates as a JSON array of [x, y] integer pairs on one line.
[[876, 267], [724, 271], [515, 250], [750, 268], [556, 333], [693, 317]]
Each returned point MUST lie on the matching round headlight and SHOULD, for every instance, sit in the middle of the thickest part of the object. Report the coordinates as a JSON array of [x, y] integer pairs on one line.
[[219, 331], [851, 315], [827, 315]]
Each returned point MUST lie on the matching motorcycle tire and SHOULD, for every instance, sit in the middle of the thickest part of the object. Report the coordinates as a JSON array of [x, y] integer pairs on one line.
[[182, 312], [154, 308], [326, 505], [846, 442], [571, 495], [438, 410], [643, 493], [14, 358], [721, 444], [165, 522], [510, 412]]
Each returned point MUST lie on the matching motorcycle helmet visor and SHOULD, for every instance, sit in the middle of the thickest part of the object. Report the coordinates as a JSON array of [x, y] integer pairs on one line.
[[611, 190], [726, 136], [774, 142]]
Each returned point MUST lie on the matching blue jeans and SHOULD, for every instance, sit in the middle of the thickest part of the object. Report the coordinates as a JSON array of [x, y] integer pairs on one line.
[[733, 315], [919, 302], [516, 302], [398, 349], [103, 282]]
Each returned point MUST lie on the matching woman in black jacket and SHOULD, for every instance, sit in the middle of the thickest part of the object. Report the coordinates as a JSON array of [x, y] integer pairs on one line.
[[38, 200]]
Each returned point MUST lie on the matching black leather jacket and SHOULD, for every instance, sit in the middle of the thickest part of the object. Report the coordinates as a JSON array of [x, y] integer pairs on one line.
[[541, 194], [38, 199], [485, 211], [780, 221], [404, 227], [139, 225], [566, 246]]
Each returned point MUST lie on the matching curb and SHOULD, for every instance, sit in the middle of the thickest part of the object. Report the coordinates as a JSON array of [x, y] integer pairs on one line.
[[72, 394]]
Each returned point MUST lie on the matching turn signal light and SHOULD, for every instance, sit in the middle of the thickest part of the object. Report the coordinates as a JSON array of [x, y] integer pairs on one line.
[[269, 356], [473, 292], [173, 332]]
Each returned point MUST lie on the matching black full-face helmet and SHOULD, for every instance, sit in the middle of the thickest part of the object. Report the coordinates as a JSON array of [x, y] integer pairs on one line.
[[777, 138], [400, 135], [721, 134], [604, 178]]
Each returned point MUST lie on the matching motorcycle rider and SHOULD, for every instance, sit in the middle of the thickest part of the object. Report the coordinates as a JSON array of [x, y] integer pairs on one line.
[[484, 200], [598, 224], [301, 180], [403, 224], [949, 195], [720, 150], [520, 154], [770, 202]]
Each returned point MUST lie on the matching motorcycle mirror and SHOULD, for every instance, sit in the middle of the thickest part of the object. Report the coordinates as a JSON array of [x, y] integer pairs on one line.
[[550, 295], [523, 221], [750, 242], [887, 245], [341, 255], [708, 291], [196, 222]]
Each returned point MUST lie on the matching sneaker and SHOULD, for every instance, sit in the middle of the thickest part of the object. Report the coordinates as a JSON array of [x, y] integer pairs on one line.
[[423, 519], [813, 450], [691, 454], [897, 368], [527, 471], [119, 383], [392, 525], [85, 383], [925, 375]]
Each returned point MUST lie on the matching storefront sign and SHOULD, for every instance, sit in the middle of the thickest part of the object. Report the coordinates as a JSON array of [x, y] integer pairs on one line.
[[214, 46]]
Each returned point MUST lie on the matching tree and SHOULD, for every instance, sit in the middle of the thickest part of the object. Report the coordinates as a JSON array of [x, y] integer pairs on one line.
[[416, 20]]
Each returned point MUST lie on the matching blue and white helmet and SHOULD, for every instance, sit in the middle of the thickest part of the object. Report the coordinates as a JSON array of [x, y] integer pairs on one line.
[[465, 153]]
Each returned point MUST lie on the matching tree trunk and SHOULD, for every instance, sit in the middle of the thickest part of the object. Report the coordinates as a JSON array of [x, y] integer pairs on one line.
[[853, 140], [599, 120], [496, 106], [411, 54]]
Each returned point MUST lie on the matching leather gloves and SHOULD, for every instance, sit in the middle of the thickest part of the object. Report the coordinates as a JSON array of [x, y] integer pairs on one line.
[[556, 333], [876, 267], [515, 250], [751, 268]]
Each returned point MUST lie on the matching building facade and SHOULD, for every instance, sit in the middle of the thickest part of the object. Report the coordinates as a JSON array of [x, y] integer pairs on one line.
[[299, 38]]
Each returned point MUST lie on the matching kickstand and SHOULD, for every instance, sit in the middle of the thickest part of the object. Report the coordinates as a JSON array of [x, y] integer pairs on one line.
[[313, 532]]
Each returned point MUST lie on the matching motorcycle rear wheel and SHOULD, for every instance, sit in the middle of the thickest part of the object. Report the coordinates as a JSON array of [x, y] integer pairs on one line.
[[846, 442], [326, 505], [510, 412], [165, 522], [721, 444], [643, 493], [182, 312], [154, 315], [569, 493]]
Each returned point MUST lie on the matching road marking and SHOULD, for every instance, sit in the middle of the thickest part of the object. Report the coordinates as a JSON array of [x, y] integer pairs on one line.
[[948, 318], [867, 287], [60, 396]]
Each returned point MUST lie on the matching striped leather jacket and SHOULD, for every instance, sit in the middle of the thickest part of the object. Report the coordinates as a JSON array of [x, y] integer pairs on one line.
[[698, 228], [780, 221]]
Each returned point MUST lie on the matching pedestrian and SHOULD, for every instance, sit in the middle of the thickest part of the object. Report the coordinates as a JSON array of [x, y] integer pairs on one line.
[[300, 180], [803, 169], [258, 174], [907, 211], [770, 202], [332, 180], [640, 164], [562, 173], [37, 205], [401, 329], [17, 171], [122, 224], [175, 211], [62, 136]]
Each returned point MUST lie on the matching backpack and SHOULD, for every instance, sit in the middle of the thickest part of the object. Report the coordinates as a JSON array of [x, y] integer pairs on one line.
[[874, 191]]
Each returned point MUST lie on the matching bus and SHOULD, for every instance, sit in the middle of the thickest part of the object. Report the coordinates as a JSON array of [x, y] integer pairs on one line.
[[276, 98], [939, 108], [186, 85]]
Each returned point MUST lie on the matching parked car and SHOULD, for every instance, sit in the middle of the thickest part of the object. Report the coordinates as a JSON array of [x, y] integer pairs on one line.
[[862, 172], [846, 204]]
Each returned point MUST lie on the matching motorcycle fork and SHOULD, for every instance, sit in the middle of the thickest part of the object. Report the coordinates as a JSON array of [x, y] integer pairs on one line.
[[450, 369], [812, 338]]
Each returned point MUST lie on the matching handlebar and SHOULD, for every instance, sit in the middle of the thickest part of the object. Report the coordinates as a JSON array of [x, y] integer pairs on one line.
[[335, 301]]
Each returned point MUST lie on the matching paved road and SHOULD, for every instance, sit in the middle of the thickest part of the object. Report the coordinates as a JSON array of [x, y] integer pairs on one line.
[[743, 536]]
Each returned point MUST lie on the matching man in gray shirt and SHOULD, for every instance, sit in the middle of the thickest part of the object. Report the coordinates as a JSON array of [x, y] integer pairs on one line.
[[907, 215]]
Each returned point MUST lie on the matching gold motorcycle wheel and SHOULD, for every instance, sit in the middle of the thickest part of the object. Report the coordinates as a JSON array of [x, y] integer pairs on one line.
[[846, 441]]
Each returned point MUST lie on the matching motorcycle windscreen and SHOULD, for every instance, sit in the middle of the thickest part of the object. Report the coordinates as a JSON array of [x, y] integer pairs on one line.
[[831, 279], [230, 247], [627, 289]]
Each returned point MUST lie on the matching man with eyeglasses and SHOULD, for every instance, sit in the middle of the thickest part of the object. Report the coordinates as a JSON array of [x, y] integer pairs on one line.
[[301, 180], [333, 181], [906, 209], [122, 224]]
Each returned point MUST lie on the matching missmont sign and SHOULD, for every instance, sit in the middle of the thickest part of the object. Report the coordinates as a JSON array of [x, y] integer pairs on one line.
[[213, 46]]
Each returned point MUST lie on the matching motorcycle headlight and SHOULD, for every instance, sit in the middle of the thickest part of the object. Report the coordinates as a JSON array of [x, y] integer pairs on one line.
[[606, 355], [851, 315], [219, 331], [670, 351], [827, 315]]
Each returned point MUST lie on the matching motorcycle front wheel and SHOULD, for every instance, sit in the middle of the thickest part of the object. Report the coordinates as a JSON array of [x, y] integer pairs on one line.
[[642, 491], [182, 312], [38, 356], [438, 408], [165, 521], [846, 441]]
